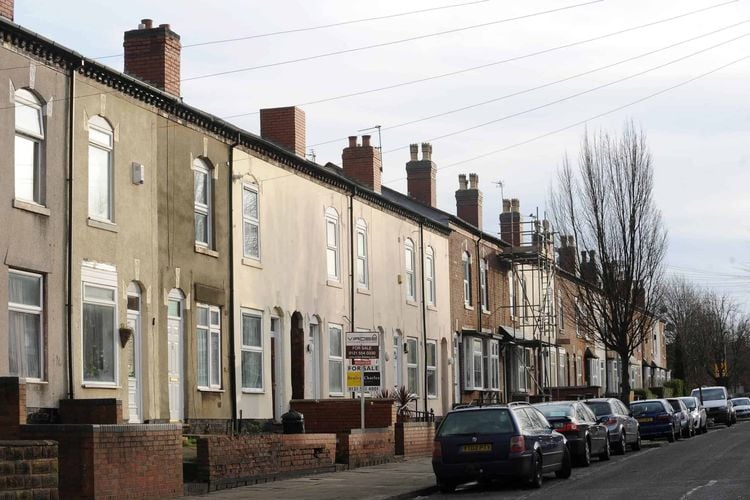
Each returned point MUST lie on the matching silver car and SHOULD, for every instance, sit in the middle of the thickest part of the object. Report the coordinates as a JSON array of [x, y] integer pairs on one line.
[[698, 412], [741, 407]]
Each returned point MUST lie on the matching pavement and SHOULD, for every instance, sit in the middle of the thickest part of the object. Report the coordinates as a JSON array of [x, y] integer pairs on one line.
[[402, 479]]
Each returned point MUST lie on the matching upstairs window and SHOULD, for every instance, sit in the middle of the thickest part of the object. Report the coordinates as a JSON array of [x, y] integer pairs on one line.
[[332, 243], [101, 186], [250, 222], [429, 269], [28, 146], [466, 258], [411, 282], [203, 193], [484, 291], [363, 278]]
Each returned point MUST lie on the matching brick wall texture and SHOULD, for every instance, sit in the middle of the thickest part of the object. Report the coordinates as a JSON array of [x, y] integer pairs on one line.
[[342, 415], [359, 448], [414, 439], [153, 55], [116, 461], [285, 127], [6, 8], [230, 461], [28, 469], [12, 407], [91, 411]]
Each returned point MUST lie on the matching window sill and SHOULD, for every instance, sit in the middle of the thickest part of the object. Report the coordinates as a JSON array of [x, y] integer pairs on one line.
[[101, 224], [486, 312], [206, 251], [432, 307], [334, 283], [340, 394], [468, 307], [253, 391], [32, 207], [209, 389], [410, 302], [364, 291], [94, 385], [250, 262], [432, 397], [36, 381]]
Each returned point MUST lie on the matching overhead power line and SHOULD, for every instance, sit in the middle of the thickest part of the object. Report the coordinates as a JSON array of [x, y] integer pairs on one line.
[[582, 122]]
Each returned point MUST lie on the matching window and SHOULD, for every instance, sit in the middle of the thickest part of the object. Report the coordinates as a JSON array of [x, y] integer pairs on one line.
[[521, 370], [431, 369], [429, 268], [99, 348], [579, 370], [252, 350], [411, 283], [203, 194], [332, 243], [467, 278], [363, 279], [562, 369], [484, 292], [474, 361], [412, 365], [29, 140], [101, 186], [335, 360], [25, 310], [208, 333], [250, 222], [494, 367]]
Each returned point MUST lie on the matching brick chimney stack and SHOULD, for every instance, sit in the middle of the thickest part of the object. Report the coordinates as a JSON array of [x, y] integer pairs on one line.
[[567, 254], [153, 55], [421, 175], [469, 200], [285, 127], [363, 163], [6, 9], [510, 222]]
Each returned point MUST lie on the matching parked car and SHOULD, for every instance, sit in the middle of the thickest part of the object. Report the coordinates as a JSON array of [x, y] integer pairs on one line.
[[586, 437], [741, 407], [716, 401], [485, 443], [699, 413], [687, 427], [622, 427], [656, 419]]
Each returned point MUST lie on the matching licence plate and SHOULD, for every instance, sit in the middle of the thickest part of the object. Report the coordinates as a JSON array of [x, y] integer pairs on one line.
[[557, 425], [646, 419], [473, 448]]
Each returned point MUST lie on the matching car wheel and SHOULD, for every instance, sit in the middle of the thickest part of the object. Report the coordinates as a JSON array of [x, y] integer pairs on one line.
[[585, 458], [729, 422], [686, 432], [447, 486], [637, 444], [670, 436], [621, 446], [705, 426], [678, 434], [535, 480], [566, 467], [604, 455]]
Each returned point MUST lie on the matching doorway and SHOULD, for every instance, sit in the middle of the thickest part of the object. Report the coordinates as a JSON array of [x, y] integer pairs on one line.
[[277, 379], [135, 377], [175, 327], [297, 344], [313, 369]]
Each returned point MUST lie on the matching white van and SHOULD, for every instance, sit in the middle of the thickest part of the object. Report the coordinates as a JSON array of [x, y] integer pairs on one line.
[[716, 401]]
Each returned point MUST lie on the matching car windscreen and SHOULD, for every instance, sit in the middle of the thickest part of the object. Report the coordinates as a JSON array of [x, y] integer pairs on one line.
[[600, 408], [709, 394], [675, 404], [490, 421], [555, 411], [741, 401], [690, 403], [648, 407]]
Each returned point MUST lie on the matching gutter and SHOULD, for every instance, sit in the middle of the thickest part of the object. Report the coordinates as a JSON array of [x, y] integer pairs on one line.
[[232, 352]]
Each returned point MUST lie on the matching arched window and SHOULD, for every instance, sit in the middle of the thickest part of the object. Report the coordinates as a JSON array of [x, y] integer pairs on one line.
[[411, 284], [332, 243], [363, 277], [466, 258], [203, 189], [429, 269], [28, 147], [101, 186]]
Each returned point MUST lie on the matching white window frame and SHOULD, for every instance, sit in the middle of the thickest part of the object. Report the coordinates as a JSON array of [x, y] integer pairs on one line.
[[249, 220], [116, 354], [430, 276], [100, 125], [201, 167], [28, 309], [249, 348], [562, 368], [25, 98], [336, 358], [410, 272], [579, 370], [363, 277], [412, 363], [494, 365], [332, 249], [484, 289], [432, 392], [466, 260], [211, 330]]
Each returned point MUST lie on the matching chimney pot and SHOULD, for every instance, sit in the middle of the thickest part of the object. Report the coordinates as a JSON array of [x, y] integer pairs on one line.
[[473, 181], [515, 205], [583, 255], [365, 140], [506, 205], [352, 141], [413, 151], [461, 181], [147, 23], [426, 151], [165, 26]]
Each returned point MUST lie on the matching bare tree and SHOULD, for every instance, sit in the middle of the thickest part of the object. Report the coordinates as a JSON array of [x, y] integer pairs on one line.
[[681, 308], [607, 205]]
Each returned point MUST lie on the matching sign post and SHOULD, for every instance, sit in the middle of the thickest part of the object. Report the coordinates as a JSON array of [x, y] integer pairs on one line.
[[363, 354]]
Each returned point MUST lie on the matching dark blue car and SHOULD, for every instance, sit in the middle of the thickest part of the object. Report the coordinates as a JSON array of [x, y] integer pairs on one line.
[[493, 442], [656, 419]]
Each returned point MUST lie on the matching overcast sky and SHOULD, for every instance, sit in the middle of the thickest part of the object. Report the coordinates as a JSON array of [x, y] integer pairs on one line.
[[698, 131]]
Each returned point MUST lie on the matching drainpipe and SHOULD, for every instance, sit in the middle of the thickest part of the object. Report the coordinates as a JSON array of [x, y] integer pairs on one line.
[[479, 286], [352, 279], [424, 313], [69, 225], [232, 353]]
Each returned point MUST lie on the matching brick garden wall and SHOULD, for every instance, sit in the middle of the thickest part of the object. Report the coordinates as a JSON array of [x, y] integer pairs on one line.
[[12, 406], [359, 448], [28, 469], [414, 439], [91, 411], [342, 415], [116, 461], [231, 461]]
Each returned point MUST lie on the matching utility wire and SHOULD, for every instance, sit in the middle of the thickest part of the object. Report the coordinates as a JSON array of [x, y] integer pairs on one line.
[[392, 42], [321, 26], [545, 85], [582, 122], [502, 61]]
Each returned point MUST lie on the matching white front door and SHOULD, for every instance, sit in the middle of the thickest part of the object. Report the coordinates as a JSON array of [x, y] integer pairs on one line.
[[174, 352], [134, 355], [312, 377]]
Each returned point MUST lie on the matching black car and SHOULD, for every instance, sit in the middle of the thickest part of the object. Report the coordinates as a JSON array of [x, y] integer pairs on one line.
[[623, 428], [492, 442], [586, 436]]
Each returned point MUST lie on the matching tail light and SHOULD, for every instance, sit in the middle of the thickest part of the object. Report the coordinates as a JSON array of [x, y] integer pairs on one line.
[[664, 417], [437, 450], [611, 421], [517, 444], [568, 427]]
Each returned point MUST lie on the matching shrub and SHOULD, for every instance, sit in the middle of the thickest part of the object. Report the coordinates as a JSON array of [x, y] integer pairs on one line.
[[677, 386], [642, 394]]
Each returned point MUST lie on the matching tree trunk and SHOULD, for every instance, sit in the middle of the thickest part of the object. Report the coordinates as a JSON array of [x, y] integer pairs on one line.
[[625, 378]]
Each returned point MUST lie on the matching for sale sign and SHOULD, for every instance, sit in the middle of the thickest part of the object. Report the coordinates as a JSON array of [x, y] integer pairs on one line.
[[362, 345]]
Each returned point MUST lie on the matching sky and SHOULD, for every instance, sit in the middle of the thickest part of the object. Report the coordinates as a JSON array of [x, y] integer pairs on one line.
[[533, 76]]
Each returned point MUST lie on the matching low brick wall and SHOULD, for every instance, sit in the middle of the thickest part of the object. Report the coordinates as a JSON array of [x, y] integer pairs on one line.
[[342, 415], [28, 469], [231, 461], [359, 448], [12, 407], [115, 461], [574, 393], [91, 411], [414, 439]]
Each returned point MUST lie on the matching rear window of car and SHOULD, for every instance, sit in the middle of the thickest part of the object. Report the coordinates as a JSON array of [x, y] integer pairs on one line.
[[648, 407], [675, 404], [552, 411], [690, 403], [741, 401], [709, 394], [600, 408], [494, 421]]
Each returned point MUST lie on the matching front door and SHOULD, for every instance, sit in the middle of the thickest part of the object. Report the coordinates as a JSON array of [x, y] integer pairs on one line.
[[134, 356], [277, 382], [174, 351]]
